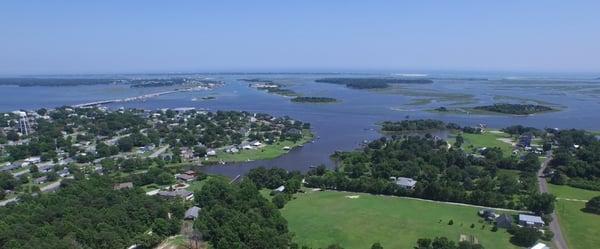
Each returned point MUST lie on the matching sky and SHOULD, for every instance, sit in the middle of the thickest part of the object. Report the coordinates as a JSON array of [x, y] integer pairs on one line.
[[78, 37]]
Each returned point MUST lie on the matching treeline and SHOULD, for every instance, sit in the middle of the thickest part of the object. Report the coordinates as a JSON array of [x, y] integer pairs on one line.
[[576, 161], [371, 83], [89, 214], [441, 174], [445, 243], [516, 109], [169, 82], [413, 125], [313, 100], [424, 125], [26, 82]]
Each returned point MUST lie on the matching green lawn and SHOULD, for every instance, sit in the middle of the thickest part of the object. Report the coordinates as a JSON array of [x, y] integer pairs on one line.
[[564, 191], [269, 151], [319, 219], [581, 229], [489, 140]]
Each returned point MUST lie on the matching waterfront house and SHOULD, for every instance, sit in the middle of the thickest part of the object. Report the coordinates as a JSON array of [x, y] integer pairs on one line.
[[185, 177]]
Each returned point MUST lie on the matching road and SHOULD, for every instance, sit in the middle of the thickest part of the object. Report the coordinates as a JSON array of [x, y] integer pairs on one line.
[[50, 187], [559, 239], [159, 151]]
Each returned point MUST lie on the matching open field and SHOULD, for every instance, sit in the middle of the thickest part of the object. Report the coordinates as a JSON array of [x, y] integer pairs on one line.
[[581, 229], [489, 140], [269, 151], [319, 219]]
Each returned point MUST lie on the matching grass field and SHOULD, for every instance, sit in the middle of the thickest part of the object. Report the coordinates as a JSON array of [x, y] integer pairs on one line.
[[581, 229], [489, 140], [319, 219], [269, 151]]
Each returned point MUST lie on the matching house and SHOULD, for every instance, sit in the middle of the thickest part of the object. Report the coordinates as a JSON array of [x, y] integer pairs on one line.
[[182, 193], [540, 246], [525, 140], [530, 220], [64, 172], [504, 221], [185, 177], [405, 182], [124, 185], [294, 131], [190, 172], [211, 153], [33, 159], [9, 167], [192, 213], [40, 180]]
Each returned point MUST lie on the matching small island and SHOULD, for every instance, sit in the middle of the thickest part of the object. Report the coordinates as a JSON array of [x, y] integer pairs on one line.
[[515, 109], [270, 87], [314, 100], [412, 125], [372, 83]]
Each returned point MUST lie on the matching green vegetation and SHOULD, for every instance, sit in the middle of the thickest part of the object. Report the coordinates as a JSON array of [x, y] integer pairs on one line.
[[268, 151], [516, 109], [489, 139], [321, 218], [237, 216], [412, 125], [580, 228], [440, 173], [91, 214], [371, 83], [577, 159], [314, 100]]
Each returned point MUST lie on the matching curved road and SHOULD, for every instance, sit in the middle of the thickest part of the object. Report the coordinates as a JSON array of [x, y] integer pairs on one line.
[[559, 239]]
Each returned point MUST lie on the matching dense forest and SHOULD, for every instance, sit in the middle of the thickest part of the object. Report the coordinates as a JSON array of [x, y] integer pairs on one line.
[[237, 216], [371, 83], [516, 109], [313, 100], [576, 161], [88, 214]]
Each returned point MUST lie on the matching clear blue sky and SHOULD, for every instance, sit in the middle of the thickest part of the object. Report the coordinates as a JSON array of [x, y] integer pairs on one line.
[[40, 37]]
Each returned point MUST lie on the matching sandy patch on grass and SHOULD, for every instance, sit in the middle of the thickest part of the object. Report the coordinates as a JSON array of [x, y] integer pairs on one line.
[[352, 196], [507, 140]]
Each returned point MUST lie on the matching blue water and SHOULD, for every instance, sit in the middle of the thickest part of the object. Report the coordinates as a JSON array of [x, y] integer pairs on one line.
[[344, 125]]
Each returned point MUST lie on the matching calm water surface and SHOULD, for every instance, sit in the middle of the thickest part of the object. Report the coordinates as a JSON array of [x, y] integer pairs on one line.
[[344, 125]]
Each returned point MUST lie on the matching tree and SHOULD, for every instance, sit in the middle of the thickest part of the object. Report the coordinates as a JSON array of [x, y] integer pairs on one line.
[[526, 236], [424, 243], [540, 203], [12, 135], [559, 178], [593, 205], [376, 246], [459, 141], [279, 200], [125, 144], [530, 163]]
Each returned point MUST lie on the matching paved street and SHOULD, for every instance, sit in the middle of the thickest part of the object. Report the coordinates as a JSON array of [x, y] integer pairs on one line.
[[559, 239]]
